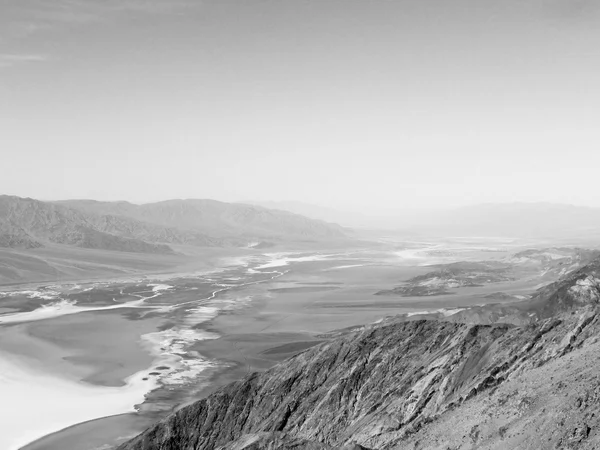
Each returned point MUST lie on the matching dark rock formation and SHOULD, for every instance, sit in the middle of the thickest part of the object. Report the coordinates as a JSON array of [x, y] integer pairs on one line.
[[451, 276]]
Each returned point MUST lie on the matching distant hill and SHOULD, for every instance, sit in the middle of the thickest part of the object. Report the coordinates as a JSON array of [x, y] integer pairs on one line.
[[573, 290], [218, 219], [29, 223], [524, 220], [315, 212], [509, 220], [26, 223]]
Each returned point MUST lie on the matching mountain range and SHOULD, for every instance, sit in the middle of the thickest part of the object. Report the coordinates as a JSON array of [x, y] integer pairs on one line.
[[409, 383], [526, 220], [151, 228], [346, 218], [522, 220], [156, 227]]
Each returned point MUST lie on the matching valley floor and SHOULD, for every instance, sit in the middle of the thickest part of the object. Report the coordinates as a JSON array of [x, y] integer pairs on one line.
[[162, 342]]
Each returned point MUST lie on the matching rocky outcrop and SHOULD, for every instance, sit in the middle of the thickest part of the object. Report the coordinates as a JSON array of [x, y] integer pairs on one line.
[[547, 264], [573, 290], [384, 385], [375, 388], [12, 236], [451, 276]]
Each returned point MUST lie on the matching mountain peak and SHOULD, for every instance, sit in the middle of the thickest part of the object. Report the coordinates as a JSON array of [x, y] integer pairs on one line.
[[124, 226]]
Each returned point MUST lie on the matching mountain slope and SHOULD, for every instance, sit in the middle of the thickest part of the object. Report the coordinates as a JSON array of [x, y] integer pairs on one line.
[[315, 211], [218, 218], [388, 383], [27, 223], [574, 290], [13, 236]]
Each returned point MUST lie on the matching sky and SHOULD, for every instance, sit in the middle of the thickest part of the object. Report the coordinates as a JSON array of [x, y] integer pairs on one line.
[[352, 104]]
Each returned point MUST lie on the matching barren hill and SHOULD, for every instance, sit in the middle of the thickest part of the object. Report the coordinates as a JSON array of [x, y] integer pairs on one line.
[[422, 384], [218, 219], [28, 223]]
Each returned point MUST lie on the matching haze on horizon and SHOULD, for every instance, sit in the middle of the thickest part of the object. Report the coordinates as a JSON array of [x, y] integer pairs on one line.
[[349, 104]]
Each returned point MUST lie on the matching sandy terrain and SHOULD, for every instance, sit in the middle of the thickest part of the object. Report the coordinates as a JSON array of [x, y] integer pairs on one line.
[[60, 264], [42, 378]]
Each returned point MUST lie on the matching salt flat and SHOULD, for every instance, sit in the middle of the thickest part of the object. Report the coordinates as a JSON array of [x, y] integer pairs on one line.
[[161, 341]]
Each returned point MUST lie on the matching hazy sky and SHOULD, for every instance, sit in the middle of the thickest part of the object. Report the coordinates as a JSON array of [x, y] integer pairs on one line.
[[348, 103]]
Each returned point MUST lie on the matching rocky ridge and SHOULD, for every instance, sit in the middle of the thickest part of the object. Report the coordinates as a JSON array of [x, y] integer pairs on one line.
[[405, 384], [547, 264], [27, 223], [217, 219], [576, 289], [445, 277]]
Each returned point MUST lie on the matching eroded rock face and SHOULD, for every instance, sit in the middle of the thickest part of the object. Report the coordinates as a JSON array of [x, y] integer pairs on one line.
[[586, 290], [575, 290], [418, 384], [373, 388]]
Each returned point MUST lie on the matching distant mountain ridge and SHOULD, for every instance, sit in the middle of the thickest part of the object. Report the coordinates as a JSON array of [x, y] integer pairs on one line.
[[529, 220], [518, 219], [120, 226], [218, 219], [29, 223], [315, 212]]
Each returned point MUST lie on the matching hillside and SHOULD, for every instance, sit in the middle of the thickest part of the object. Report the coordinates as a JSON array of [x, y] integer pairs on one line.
[[418, 384], [27, 223], [522, 220], [218, 219], [545, 264], [316, 212], [572, 291], [13, 236]]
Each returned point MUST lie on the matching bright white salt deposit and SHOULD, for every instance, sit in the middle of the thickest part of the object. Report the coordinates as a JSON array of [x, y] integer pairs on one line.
[[445, 312], [64, 401], [552, 256], [243, 261], [171, 348], [450, 312], [284, 259], [63, 308], [421, 256], [44, 295], [200, 314], [349, 266], [160, 287], [26, 418]]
